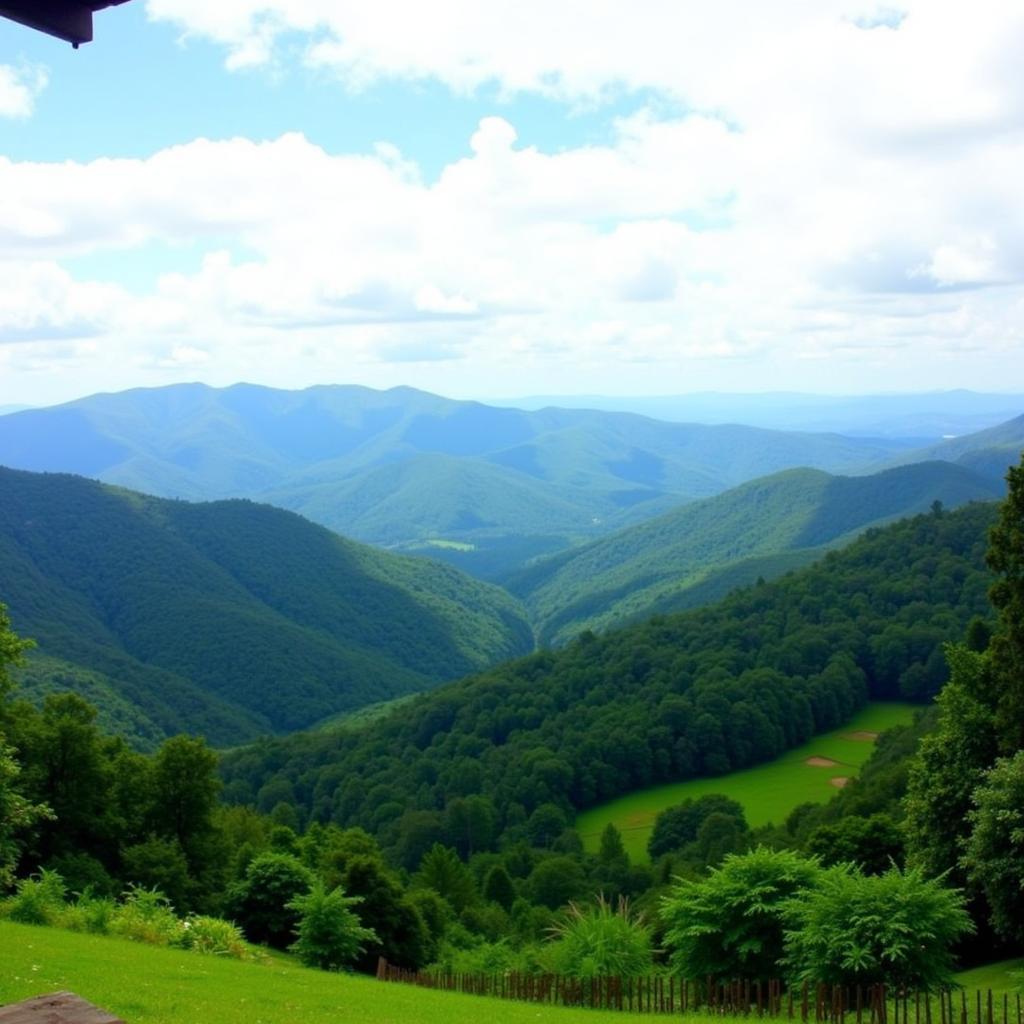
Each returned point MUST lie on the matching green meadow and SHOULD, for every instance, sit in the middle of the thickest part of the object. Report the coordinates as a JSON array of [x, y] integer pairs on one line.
[[149, 985], [768, 792]]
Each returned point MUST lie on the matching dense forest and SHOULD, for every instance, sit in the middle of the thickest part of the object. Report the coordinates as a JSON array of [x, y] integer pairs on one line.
[[471, 865], [760, 528], [229, 618], [521, 747]]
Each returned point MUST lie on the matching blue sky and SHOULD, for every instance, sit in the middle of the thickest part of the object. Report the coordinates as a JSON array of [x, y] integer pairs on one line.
[[543, 198]]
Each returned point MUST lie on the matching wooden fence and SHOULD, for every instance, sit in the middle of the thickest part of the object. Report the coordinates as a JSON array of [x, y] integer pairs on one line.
[[822, 1004]]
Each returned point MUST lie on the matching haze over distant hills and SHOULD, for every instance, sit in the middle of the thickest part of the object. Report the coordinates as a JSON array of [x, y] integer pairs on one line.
[[229, 618], [934, 414], [487, 487], [697, 553]]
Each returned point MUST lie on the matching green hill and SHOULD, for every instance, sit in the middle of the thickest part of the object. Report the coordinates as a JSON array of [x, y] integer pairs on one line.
[[407, 469], [230, 617], [698, 552], [681, 696], [989, 452]]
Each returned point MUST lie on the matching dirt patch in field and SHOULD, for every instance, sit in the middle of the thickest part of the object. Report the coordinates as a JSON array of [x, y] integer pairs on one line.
[[821, 762], [862, 734], [839, 781]]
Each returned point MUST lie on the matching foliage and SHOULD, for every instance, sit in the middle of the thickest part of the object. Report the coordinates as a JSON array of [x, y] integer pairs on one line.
[[196, 614], [679, 826], [764, 528], [16, 814], [146, 915], [330, 935], [211, 935], [730, 924], [1006, 559], [950, 764], [897, 927], [37, 900], [872, 843], [699, 693], [262, 901], [601, 940], [993, 856]]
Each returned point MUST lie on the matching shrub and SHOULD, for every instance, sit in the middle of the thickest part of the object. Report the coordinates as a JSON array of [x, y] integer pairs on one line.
[[213, 935], [853, 929], [262, 901], [601, 940], [330, 934], [730, 924], [146, 915], [89, 913], [37, 900]]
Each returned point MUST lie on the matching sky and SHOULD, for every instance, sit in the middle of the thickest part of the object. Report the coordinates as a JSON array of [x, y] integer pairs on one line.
[[512, 198]]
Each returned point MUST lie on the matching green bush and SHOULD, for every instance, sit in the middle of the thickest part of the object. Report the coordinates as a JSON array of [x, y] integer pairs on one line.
[[330, 934], [730, 924], [854, 929], [601, 941], [213, 935], [89, 913], [146, 915], [37, 900]]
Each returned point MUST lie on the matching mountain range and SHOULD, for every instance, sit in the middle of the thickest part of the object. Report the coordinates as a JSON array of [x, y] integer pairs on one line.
[[927, 416], [697, 553], [229, 618], [486, 488]]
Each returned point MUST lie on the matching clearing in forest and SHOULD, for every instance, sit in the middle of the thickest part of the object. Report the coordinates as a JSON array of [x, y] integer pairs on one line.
[[768, 792]]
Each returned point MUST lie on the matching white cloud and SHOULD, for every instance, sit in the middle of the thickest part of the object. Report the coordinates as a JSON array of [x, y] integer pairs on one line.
[[837, 183], [19, 88]]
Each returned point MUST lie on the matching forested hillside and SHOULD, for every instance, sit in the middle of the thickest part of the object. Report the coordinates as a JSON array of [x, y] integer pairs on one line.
[[494, 486], [990, 452], [760, 529], [702, 692], [229, 618]]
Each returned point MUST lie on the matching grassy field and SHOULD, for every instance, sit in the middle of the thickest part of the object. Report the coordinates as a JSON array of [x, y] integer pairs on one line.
[[768, 792], [993, 976], [146, 985]]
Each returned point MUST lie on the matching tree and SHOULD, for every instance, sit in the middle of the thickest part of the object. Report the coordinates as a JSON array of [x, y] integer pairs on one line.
[[17, 814], [853, 929], [158, 864], [994, 854], [330, 935], [678, 826], [873, 843], [499, 888], [556, 881], [949, 766], [12, 650], [730, 924], [1006, 558], [442, 871], [260, 902]]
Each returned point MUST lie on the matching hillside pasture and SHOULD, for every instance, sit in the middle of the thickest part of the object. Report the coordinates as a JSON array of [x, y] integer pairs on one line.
[[149, 985], [806, 774]]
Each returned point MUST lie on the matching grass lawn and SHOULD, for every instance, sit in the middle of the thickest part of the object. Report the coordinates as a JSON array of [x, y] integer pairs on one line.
[[768, 792], [147, 985], [992, 976]]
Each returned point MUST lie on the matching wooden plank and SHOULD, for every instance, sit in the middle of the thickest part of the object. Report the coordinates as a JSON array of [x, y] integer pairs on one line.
[[56, 1008]]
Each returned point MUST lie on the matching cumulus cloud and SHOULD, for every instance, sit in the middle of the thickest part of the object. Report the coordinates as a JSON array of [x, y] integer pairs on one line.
[[830, 182], [19, 87]]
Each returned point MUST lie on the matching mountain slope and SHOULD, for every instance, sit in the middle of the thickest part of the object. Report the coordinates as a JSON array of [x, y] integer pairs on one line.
[[734, 537], [407, 469], [679, 696], [236, 617], [989, 452]]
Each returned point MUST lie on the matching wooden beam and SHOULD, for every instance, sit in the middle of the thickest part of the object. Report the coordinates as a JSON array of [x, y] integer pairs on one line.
[[70, 20]]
